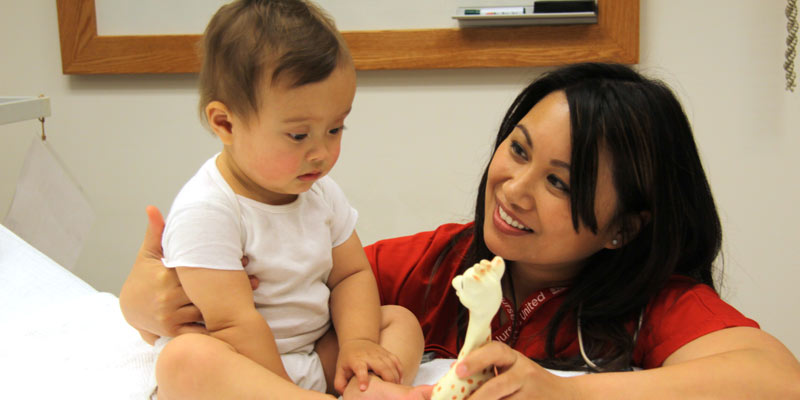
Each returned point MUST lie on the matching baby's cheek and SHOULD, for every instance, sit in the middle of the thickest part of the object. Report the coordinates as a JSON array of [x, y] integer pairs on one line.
[[278, 166], [335, 155]]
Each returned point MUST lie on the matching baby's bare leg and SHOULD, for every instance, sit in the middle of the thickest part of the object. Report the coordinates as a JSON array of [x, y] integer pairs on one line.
[[327, 348], [401, 335], [196, 366]]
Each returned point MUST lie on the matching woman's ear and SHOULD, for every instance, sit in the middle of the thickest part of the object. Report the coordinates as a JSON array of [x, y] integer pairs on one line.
[[220, 120], [631, 226]]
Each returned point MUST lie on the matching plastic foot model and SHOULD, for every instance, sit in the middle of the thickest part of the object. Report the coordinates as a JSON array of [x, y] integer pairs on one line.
[[479, 290]]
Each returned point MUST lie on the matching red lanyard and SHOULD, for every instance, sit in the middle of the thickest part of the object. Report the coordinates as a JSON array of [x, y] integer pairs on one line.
[[530, 305]]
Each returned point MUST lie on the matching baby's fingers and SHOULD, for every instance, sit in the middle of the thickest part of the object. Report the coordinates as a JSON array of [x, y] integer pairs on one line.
[[389, 369], [341, 378], [345, 374], [398, 367], [362, 375]]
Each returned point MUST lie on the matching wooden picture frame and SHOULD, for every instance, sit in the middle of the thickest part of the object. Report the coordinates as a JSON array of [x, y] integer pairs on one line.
[[614, 38]]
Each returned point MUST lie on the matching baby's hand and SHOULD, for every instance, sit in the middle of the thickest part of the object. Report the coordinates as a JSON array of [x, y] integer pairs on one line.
[[360, 356]]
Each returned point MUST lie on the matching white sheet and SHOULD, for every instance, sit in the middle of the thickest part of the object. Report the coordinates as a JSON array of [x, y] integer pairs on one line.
[[63, 339], [30, 280]]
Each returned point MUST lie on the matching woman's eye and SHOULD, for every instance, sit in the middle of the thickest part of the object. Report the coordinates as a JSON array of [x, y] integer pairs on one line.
[[297, 136], [558, 183], [517, 149]]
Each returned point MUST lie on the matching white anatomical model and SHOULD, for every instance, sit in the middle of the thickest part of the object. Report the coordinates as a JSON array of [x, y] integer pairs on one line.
[[480, 292]]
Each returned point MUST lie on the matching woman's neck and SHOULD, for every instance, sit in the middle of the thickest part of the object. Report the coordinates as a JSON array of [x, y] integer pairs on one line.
[[528, 279]]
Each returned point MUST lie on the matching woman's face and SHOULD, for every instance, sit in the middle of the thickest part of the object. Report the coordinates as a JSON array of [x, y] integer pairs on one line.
[[528, 218]]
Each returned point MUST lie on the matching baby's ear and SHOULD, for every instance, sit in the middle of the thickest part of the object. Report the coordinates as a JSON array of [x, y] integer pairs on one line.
[[220, 120]]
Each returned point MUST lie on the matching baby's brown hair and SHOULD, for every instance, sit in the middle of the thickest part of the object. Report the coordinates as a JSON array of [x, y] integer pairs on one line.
[[246, 40]]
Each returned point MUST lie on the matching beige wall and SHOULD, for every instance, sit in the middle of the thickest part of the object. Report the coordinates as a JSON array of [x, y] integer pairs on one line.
[[417, 140]]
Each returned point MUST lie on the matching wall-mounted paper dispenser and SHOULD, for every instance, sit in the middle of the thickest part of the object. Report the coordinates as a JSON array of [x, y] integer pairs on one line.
[[540, 12], [15, 109]]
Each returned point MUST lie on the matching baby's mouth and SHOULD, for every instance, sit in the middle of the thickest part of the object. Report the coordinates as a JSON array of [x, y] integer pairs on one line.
[[310, 176]]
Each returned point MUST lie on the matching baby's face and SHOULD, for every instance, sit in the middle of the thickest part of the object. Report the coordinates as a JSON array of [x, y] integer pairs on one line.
[[295, 137]]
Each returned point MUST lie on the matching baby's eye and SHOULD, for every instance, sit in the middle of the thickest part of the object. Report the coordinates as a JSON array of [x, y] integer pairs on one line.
[[558, 183], [297, 136], [517, 149], [336, 131]]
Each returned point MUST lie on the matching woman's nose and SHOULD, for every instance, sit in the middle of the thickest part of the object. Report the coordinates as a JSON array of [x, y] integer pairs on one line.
[[519, 191]]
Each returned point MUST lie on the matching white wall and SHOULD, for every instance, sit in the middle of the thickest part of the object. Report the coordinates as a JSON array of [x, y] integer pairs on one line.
[[417, 140]]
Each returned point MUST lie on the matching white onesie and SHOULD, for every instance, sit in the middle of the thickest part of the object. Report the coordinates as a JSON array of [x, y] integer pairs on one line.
[[289, 249]]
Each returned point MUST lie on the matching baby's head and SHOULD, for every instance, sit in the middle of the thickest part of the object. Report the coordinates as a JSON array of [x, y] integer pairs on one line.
[[276, 84], [249, 43]]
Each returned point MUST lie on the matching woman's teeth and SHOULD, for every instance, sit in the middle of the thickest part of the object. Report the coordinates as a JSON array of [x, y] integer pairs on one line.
[[507, 218]]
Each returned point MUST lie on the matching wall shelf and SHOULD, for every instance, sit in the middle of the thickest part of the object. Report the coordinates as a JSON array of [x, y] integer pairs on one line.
[[15, 109]]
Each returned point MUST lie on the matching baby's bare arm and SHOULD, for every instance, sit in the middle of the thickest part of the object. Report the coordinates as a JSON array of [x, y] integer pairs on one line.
[[355, 304], [356, 315], [226, 302]]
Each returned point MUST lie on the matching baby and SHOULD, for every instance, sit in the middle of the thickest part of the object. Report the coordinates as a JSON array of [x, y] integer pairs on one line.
[[276, 85]]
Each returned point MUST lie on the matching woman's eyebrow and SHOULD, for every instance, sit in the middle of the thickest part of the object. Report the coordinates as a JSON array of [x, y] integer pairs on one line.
[[526, 133], [555, 163], [560, 164]]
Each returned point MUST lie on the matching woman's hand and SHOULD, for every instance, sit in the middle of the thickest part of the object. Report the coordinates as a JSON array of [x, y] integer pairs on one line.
[[152, 299], [423, 392], [518, 377]]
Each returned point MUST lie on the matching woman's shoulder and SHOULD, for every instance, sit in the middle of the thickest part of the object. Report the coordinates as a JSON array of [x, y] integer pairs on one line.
[[682, 311], [686, 296], [683, 288]]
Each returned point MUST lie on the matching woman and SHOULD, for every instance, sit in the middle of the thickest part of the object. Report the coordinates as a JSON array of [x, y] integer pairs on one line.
[[597, 199]]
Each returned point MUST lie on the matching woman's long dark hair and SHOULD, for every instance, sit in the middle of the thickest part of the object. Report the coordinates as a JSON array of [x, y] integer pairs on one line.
[[657, 172]]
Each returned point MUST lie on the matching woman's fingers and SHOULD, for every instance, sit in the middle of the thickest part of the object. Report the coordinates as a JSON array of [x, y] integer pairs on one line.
[[518, 376], [423, 392], [151, 245], [169, 285], [494, 354], [190, 328], [148, 337], [254, 282], [502, 358], [143, 283], [504, 386], [188, 314], [173, 313]]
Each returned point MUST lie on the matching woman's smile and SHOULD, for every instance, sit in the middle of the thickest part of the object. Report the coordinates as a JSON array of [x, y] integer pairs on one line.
[[508, 224]]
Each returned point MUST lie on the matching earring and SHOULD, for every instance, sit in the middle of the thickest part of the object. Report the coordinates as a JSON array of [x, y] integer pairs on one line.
[[615, 242]]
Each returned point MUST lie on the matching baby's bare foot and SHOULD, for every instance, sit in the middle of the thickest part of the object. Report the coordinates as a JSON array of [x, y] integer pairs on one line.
[[378, 389]]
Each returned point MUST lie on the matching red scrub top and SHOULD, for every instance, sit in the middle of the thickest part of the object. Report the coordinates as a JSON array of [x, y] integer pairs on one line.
[[403, 267]]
